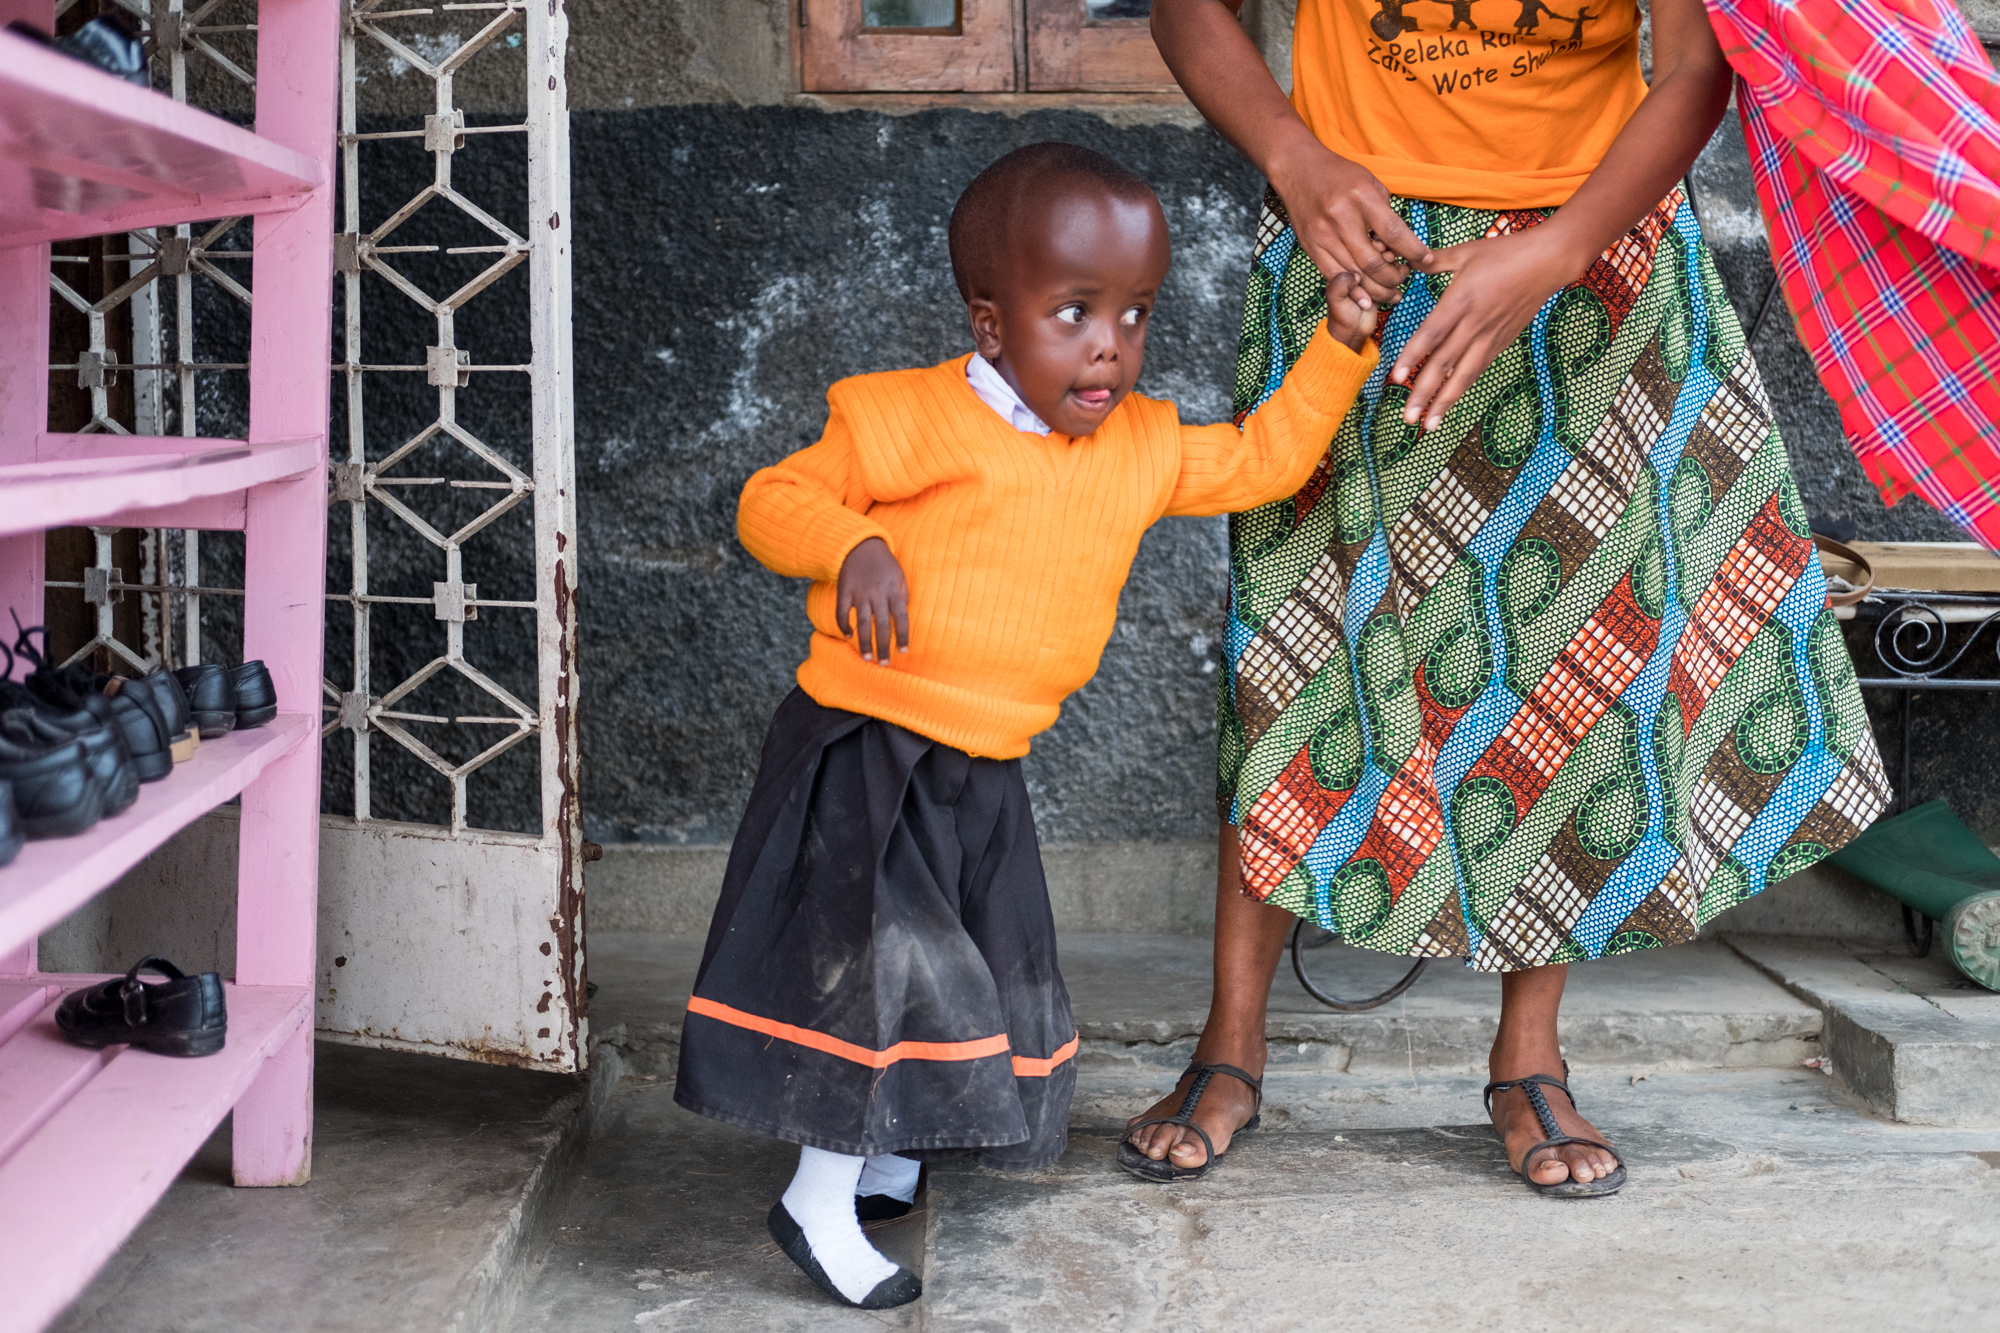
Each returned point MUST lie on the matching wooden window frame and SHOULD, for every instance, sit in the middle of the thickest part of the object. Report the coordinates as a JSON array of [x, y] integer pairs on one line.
[[998, 47], [1067, 54]]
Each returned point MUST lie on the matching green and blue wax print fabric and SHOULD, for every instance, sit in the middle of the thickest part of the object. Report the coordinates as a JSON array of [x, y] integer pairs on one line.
[[1557, 680]]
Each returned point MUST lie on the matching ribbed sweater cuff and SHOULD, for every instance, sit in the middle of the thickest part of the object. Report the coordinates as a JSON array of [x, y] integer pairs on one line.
[[831, 537], [1328, 373]]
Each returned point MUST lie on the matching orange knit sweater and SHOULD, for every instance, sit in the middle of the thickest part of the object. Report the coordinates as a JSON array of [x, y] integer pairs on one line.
[[1015, 545]]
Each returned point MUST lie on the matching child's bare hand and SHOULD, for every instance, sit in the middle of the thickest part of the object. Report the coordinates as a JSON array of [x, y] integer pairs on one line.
[[1350, 311], [873, 588]]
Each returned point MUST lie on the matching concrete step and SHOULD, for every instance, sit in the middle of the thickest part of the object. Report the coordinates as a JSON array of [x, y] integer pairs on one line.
[[1910, 1035], [1140, 1002], [428, 1201]]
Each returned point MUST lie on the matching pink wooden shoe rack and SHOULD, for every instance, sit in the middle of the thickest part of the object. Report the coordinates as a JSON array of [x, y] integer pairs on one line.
[[90, 1140]]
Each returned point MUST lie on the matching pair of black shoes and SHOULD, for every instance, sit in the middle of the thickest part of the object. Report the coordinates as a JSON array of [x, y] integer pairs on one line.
[[224, 699], [75, 747], [183, 1015], [64, 761]]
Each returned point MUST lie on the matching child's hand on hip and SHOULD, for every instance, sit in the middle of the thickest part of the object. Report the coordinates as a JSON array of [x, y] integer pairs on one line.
[[873, 589], [1350, 313]]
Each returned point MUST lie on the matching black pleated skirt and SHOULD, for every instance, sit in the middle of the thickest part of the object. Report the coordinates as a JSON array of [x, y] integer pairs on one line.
[[881, 972]]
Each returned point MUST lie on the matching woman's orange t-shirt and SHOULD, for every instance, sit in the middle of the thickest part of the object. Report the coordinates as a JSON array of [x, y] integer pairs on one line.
[[1483, 103]]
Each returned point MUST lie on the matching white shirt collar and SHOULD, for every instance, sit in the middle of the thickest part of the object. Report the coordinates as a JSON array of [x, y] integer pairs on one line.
[[998, 394]]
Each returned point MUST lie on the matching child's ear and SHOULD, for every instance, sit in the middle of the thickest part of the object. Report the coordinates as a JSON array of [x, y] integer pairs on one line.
[[984, 315]]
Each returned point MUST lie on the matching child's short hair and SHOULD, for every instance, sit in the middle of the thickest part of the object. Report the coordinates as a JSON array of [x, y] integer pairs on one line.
[[981, 217]]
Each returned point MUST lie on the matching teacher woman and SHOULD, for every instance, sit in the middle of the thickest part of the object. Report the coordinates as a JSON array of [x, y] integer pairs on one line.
[[1538, 666]]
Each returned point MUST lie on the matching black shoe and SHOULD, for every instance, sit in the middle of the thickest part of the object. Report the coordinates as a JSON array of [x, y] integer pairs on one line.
[[183, 1015], [172, 702], [211, 698], [104, 752], [53, 706], [256, 696], [138, 716], [113, 44], [10, 827], [899, 1288], [54, 794]]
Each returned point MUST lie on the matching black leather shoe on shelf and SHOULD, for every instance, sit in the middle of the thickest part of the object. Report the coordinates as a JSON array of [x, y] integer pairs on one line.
[[104, 752], [183, 1015], [54, 794], [172, 701], [60, 705], [211, 698], [10, 827], [138, 716], [256, 696]]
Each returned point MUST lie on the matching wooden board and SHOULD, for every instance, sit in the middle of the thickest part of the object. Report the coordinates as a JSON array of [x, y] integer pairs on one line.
[[1926, 566]]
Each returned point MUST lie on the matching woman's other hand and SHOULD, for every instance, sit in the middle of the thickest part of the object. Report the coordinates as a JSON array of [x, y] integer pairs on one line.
[[874, 593], [1497, 285]]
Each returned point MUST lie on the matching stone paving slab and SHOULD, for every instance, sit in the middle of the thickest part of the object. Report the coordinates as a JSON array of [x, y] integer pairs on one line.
[[1759, 1199], [1911, 1036], [429, 1179]]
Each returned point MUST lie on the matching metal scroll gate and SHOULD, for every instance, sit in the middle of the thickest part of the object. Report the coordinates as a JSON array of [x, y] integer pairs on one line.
[[451, 881]]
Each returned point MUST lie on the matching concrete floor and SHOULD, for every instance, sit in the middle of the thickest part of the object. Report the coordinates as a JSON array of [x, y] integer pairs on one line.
[[1762, 1195], [429, 1180], [454, 1197]]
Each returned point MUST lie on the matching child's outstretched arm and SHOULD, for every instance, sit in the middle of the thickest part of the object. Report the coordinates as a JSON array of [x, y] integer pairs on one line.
[[1225, 469], [806, 517]]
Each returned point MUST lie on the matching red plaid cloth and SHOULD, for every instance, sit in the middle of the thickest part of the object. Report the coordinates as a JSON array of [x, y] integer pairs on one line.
[[1874, 132]]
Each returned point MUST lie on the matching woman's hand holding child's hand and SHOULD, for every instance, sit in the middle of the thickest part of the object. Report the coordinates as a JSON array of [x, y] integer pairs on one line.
[[873, 589], [1350, 314]]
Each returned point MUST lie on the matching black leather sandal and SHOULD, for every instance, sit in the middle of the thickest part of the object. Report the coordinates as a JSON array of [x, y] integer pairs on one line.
[[1164, 1171], [1562, 1189]]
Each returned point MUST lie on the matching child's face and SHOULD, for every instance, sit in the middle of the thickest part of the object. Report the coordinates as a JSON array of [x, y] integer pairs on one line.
[[1067, 325]]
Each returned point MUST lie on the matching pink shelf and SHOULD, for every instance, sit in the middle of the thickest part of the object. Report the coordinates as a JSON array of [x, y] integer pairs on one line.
[[53, 877], [129, 1120], [134, 474], [83, 153]]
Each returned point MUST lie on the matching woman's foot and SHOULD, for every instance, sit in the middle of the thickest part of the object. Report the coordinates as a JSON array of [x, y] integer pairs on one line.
[[1225, 1108], [1514, 1117], [1527, 1044]]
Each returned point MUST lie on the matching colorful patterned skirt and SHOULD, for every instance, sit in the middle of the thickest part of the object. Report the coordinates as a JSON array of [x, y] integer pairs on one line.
[[1558, 680]]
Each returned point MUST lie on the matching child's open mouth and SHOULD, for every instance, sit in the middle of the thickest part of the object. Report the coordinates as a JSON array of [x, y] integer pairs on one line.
[[1091, 400]]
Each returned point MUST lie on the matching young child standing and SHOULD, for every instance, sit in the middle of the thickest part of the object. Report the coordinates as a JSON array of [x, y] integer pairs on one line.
[[880, 983]]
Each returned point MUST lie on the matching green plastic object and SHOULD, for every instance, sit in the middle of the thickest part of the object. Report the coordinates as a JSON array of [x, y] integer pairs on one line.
[[1929, 859]]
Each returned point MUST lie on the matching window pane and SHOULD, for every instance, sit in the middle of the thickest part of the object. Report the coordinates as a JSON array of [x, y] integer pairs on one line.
[[1099, 10], [910, 13]]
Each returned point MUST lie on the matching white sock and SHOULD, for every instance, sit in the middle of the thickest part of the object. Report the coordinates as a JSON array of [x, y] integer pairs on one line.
[[821, 1200], [886, 1173]]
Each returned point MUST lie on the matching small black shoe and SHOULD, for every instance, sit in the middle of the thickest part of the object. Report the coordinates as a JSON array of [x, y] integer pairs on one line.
[[137, 713], [211, 698], [183, 1015], [38, 726], [256, 696], [54, 793], [51, 707], [172, 702], [899, 1288], [10, 826]]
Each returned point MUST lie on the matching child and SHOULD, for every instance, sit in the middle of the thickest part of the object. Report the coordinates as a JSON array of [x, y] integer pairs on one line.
[[880, 980]]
